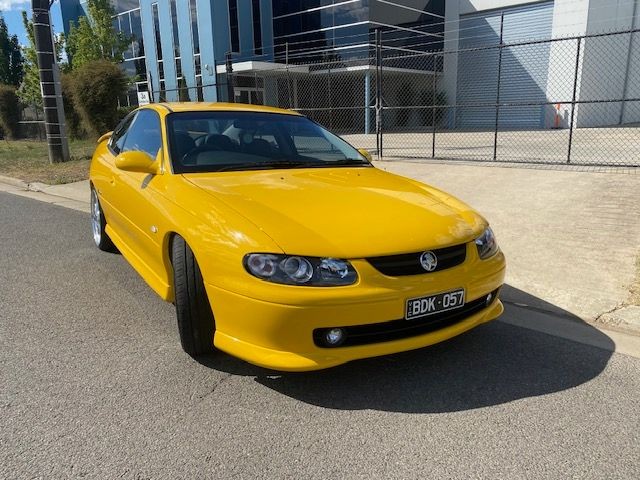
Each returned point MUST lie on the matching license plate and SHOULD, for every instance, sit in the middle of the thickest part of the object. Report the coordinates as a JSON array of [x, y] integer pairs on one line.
[[441, 302]]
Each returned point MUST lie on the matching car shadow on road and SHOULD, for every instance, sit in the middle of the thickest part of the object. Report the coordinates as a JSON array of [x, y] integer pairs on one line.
[[490, 365]]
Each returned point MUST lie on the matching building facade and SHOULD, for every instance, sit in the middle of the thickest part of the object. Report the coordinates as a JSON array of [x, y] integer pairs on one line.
[[184, 43], [606, 69], [179, 50]]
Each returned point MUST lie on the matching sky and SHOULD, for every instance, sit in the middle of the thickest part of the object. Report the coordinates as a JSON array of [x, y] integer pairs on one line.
[[11, 11]]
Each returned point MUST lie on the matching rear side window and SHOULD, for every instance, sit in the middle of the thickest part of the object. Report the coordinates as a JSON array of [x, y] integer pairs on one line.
[[144, 134]]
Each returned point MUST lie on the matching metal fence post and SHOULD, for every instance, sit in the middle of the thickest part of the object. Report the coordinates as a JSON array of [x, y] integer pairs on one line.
[[229, 70], [329, 91], [573, 99], [433, 108], [289, 83], [379, 94], [500, 47]]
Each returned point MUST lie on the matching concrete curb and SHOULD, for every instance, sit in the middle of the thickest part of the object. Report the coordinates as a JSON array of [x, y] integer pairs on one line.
[[46, 193], [14, 182]]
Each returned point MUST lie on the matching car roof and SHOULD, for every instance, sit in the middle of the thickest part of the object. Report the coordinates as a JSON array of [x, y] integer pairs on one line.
[[222, 106]]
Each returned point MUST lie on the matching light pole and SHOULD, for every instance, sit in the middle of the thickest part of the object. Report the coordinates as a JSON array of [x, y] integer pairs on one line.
[[49, 82]]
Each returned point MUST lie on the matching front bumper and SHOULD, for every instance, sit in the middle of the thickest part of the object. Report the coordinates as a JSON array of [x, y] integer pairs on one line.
[[273, 327]]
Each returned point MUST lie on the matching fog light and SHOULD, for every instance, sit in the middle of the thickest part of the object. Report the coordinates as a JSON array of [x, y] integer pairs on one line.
[[334, 337], [489, 298]]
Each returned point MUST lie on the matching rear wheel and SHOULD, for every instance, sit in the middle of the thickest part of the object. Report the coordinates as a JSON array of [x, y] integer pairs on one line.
[[99, 224], [196, 323]]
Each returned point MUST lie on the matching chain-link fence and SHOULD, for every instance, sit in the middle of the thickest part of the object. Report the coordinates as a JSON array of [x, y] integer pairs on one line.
[[570, 100], [31, 123]]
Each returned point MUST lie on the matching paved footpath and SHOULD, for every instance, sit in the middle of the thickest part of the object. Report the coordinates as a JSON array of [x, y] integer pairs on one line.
[[93, 384]]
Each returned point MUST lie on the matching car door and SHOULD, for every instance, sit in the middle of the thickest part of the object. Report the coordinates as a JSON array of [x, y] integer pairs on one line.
[[134, 195], [102, 172]]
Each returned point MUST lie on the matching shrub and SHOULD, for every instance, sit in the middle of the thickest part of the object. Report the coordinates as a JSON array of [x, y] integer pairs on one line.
[[9, 111], [75, 128], [96, 87], [124, 111]]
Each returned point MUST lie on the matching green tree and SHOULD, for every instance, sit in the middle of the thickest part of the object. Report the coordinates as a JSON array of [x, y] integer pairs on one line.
[[29, 91], [94, 38], [10, 57], [183, 91]]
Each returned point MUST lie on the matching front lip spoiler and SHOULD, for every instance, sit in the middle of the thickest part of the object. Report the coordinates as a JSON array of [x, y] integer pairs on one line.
[[325, 358], [372, 333]]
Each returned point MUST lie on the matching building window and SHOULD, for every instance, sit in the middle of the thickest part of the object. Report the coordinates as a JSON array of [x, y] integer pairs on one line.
[[136, 31], [156, 28], [174, 28], [234, 28], [257, 27], [195, 39], [199, 88]]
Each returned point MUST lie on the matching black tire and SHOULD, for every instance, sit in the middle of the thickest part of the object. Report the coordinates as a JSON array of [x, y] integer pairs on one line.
[[196, 323], [99, 224]]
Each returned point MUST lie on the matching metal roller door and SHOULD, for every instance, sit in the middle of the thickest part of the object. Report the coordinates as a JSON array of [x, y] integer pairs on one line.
[[523, 72]]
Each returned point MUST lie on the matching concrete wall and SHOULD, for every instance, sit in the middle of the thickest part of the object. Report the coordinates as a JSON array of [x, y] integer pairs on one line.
[[610, 65], [465, 7], [569, 19]]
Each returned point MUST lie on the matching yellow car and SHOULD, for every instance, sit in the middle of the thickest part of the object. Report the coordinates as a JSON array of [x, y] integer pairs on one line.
[[280, 244]]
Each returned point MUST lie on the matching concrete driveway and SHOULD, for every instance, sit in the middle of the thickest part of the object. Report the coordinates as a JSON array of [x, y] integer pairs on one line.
[[572, 238], [590, 146]]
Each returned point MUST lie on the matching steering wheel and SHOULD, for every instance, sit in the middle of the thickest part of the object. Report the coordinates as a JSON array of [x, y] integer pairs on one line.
[[189, 158]]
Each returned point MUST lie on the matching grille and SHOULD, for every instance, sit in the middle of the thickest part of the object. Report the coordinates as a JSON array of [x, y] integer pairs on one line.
[[409, 263], [399, 329]]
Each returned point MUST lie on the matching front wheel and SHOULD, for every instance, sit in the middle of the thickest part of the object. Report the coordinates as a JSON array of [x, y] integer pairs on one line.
[[196, 323], [98, 225]]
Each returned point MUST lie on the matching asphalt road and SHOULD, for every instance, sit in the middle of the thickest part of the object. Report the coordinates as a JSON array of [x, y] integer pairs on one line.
[[93, 384]]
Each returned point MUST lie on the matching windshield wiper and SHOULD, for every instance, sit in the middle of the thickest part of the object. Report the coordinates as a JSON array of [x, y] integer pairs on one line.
[[291, 164], [268, 165], [347, 161]]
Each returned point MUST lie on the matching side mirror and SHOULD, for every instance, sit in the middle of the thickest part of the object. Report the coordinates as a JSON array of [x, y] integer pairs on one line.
[[365, 153], [104, 137], [136, 161]]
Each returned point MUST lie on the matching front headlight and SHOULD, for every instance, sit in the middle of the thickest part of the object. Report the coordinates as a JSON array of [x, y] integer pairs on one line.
[[487, 244], [296, 270]]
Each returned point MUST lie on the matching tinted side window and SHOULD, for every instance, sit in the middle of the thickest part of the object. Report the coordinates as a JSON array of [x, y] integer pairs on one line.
[[144, 133], [117, 138]]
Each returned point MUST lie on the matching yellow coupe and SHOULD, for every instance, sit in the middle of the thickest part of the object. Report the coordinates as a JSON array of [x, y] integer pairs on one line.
[[281, 244]]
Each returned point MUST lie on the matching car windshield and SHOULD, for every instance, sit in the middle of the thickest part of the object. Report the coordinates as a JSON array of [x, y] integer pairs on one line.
[[212, 141]]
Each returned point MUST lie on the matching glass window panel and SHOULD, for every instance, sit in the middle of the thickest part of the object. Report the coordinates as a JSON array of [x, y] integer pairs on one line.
[[117, 139], [257, 27], [141, 69], [156, 29], [136, 33], [144, 134], [234, 30], [124, 5], [125, 28], [129, 68], [194, 27], [174, 28], [199, 88]]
